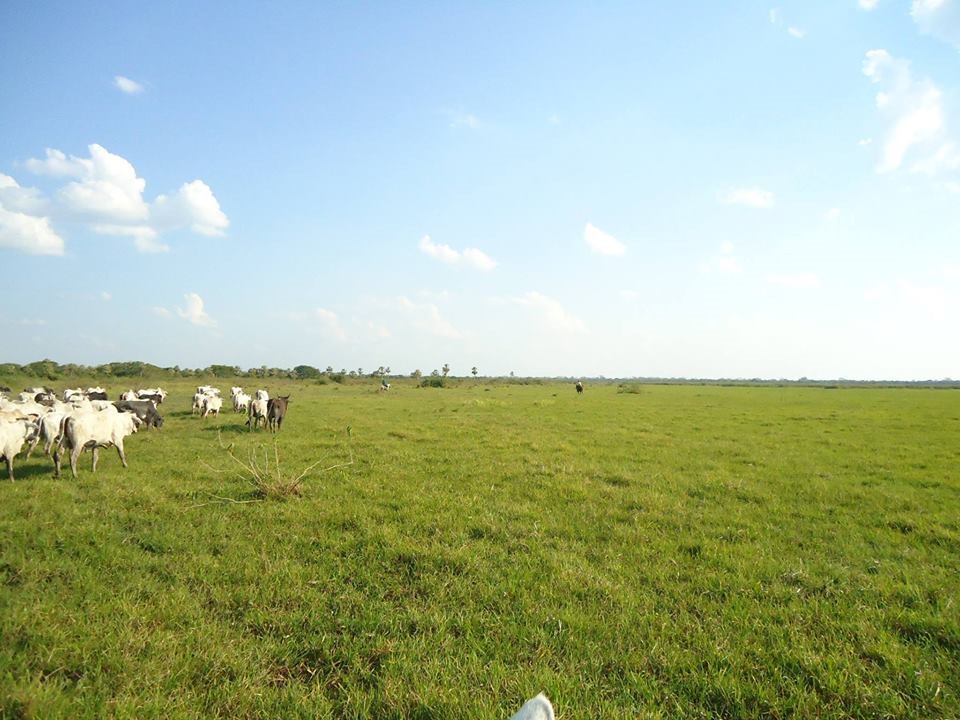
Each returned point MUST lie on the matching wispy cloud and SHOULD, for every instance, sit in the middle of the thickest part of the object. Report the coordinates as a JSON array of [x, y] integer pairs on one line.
[[194, 312], [160, 312], [602, 243], [329, 321], [798, 33], [472, 257], [867, 4], [550, 312], [749, 197], [463, 120], [914, 109], [939, 18], [125, 84], [426, 317], [105, 296]]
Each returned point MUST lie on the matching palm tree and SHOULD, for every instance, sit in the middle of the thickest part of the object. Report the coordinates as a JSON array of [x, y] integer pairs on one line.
[[474, 370], [445, 369]]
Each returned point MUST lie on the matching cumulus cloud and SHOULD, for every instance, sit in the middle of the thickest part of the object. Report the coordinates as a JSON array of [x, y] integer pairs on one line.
[[426, 318], [939, 18], [329, 321], [125, 84], [550, 312], [749, 197], [796, 281], [22, 228], [914, 109], [472, 257], [602, 243], [194, 312], [726, 263], [28, 233], [105, 194]]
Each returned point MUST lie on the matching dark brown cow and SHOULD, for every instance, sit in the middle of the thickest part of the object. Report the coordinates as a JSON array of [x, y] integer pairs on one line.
[[276, 410], [579, 387]]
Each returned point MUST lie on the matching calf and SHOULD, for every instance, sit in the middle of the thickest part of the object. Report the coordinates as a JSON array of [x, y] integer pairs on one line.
[[276, 410], [94, 430]]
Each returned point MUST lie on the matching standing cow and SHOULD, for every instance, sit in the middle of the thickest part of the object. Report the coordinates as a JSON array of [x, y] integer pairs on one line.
[[276, 410], [579, 387]]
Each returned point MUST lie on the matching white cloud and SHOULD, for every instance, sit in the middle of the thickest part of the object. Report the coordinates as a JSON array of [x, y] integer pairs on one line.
[[28, 233], [940, 18], [193, 206], [798, 33], [602, 243], [21, 199], [130, 87], [725, 263], [914, 108], [426, 317], [865, 142], [479, 259], [330, 323], [550, 312], [796, 281], [105, 296], [749, 197], [378, 331], [444, 253], [107, 196], [775, 16], [161, 312], [867, 4], [194, 311]]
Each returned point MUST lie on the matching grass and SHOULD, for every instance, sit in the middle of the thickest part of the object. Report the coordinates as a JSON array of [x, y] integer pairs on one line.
[[679, 552]]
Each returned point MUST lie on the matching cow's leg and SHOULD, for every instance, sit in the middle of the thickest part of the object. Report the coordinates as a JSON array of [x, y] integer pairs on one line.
[[96, 457], [9, 467], [74, 456], [56, 462], [123, 457]]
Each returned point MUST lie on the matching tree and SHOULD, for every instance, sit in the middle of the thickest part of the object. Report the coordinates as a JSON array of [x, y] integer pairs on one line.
[[446, 369], [329, 370], [474, 370], [416, 374], [306, 372]]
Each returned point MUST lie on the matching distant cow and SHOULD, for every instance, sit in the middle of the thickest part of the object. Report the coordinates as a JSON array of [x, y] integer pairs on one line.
[[579, 387], [212, 405], [97, 395], [146, 410], [276, 410]]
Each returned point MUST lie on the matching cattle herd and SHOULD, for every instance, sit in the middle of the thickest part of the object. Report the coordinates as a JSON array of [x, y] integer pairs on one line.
[[86, 419]]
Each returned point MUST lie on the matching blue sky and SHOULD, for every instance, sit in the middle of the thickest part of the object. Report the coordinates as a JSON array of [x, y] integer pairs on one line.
[[624, 189]]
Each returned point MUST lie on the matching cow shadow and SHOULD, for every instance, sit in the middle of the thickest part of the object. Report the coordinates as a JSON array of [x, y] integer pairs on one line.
[[31, 469]]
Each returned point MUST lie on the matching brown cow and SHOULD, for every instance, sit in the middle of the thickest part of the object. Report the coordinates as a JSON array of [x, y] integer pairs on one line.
[[276, 410]]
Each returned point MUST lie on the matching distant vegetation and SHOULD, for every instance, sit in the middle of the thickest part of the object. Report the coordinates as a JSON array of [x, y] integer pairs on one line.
[[51, 370]]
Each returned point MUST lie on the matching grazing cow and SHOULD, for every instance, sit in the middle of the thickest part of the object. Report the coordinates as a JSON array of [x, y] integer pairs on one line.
[[143, 409], [579, 387], [257, 412], [276, 410], [94, 430], [13, 434], [212, 405]]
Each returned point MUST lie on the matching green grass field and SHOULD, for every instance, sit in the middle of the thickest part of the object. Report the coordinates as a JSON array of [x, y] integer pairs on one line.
[[673, 552]]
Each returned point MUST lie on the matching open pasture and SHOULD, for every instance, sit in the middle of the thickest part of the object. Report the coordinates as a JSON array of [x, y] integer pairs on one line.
[[673, 552]]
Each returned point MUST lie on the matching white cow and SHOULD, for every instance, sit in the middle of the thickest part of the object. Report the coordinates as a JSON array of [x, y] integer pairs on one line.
[[150, 392], [257, 412], [263, 395], [95, 430], [13, 434], [212, 405], [538, 708], [129, 395], [241, 402], [70, 393]]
